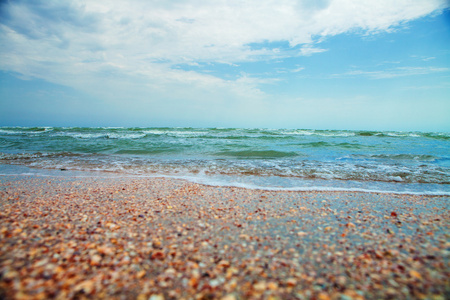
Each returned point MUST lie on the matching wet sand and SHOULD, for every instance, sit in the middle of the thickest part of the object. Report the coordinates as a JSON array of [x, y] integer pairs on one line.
[[159, 238]]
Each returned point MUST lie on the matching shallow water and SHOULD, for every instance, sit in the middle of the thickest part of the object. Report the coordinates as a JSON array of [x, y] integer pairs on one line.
[[401, 162]]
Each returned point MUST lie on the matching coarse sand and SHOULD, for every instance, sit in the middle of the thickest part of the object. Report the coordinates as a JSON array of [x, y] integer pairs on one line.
[[160, 238]]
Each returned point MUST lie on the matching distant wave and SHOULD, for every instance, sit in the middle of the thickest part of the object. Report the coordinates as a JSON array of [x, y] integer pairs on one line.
[[138, 132], [323, 144]]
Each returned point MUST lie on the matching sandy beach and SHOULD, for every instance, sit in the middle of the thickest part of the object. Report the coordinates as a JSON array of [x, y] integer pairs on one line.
[[159, 238]]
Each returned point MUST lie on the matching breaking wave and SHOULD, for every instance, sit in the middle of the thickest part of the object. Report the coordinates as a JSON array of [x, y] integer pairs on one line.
[[289, 154]]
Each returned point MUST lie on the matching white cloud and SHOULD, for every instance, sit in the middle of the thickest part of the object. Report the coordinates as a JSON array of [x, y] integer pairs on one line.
[[309, 50], [297, 70], [186, 31], [393, 73], [109, 47]]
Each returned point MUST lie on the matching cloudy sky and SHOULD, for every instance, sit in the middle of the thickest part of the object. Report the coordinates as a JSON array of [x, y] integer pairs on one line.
[[322, 64]]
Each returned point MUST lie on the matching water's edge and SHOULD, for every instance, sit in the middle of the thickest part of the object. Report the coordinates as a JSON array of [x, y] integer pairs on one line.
[[318, 186], [275, 159]]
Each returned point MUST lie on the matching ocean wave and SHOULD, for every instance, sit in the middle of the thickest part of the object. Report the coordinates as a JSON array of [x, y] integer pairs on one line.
[[257, 154], [236, 163], [270, 183], [400, 134], [342, 145], [402, 156], [24, 130], [217, 132], [36, 155], [364, 156], [7, 132], [101, 135], [154, 132], [156, 150]]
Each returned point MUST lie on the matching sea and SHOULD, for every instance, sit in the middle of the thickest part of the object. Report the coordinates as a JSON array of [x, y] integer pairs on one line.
[[270, 159]]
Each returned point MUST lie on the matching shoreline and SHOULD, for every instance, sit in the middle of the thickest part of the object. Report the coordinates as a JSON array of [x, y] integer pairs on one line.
[[134, 238], [22, 170]]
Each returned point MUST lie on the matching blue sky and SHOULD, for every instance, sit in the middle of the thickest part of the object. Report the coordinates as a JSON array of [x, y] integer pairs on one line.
[[330, 64]]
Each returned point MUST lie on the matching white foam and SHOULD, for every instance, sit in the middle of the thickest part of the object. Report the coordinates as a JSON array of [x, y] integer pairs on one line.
[[230, 181], [215, 182]]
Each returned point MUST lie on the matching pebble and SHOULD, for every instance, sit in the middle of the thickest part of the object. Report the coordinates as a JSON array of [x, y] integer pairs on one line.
[[159, 238]]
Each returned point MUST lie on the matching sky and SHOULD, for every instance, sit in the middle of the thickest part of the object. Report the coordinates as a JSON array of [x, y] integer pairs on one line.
[[323, 64]]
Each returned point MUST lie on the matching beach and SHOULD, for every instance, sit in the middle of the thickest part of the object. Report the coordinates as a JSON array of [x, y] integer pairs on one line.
[[230, 150], [160, 238]]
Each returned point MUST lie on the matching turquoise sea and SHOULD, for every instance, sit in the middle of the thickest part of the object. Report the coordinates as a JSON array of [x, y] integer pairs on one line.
[[292, 159]]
